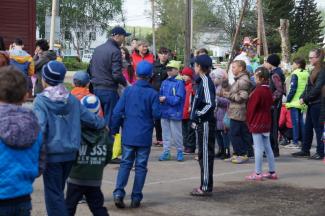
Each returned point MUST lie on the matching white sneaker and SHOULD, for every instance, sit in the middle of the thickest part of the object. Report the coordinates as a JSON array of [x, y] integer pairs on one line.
[[292, 146]]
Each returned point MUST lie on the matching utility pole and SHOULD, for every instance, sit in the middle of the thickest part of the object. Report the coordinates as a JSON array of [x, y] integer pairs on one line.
[[153, 28], [265, 47], [259, 24], [187, 51], [191, 46], [55, 13]]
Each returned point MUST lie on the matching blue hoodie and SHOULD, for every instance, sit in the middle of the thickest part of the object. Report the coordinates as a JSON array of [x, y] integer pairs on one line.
[[20, 147], [60, 115]]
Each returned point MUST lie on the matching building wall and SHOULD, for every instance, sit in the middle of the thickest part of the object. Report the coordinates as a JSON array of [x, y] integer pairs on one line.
[[18, 20]]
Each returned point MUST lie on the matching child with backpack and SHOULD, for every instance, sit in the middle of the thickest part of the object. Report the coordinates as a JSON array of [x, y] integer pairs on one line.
[[259, 123], [20, 145], [60, 115], [172, 98]]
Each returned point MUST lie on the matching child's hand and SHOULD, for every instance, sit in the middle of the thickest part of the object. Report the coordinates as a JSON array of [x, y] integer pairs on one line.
[[301, 101], [189, 109], [162, 99]]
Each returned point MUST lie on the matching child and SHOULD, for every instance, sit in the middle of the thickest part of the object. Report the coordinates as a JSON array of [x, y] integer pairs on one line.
[[285, 126], [188, 132], [259, 122], [202, 115], [20, 145], [172, 98], [87, 172], [218, 77], [60, 115], [136, 110], [299, 79]]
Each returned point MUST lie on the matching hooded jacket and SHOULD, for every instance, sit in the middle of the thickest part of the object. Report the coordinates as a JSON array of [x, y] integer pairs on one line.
[[136, 58], [23, 61], [20, 151], [60, 115]]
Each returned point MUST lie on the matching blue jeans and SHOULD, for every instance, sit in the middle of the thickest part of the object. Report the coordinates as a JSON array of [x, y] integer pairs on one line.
[[140, 156], [262, 144], [108, 100], [297, 124], [312, 122], [54, 177], [16, 209], [240, 137], [222, 139]]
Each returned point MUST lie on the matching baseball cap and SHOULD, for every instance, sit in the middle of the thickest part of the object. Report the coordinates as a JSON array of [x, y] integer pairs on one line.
[[117, 30]]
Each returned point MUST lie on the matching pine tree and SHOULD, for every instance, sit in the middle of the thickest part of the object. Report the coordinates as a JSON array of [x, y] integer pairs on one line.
[[307, 23]]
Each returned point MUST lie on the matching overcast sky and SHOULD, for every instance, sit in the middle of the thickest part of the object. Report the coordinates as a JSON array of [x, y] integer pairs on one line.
[[136, 12]]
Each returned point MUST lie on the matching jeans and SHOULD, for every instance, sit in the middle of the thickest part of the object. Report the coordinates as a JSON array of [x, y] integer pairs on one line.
[[222, 139], [108, 100], [297, 124], [94, 198], [262, 144], [140, 156], [16, 209], [188, 135], [312, 122], [240, 137], [172, 132], [54, 177]]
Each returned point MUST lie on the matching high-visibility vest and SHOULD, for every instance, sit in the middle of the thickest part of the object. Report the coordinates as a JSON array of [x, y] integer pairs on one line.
[[302, 82]]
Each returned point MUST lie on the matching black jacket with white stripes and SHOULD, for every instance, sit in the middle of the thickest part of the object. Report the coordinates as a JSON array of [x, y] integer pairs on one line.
[[204, 101]]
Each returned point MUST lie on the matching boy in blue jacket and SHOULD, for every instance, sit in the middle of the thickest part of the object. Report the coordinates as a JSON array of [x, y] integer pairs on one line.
[[172, 98], [136, 110], [60, 115], [20, 145]]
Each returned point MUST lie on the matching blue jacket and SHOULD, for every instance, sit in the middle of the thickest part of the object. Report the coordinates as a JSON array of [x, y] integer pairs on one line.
[[60, 123], [174, 91], [136, 111], [20, 148]]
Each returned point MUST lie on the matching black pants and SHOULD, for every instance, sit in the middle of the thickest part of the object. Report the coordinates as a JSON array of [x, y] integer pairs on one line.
[[158, 130], [286, 132], [188, 135], [241, 138], [94, 198], [276, 110], [205, 134]]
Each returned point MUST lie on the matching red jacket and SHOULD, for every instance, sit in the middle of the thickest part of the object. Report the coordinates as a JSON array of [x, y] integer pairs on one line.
[[189, 93], [285, 118], [136, 58], [259, 110]]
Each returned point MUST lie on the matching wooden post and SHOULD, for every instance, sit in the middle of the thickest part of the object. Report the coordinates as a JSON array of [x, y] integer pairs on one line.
[[236, 35], [259, 23], [187, 50], [285, 42], [265, 47]]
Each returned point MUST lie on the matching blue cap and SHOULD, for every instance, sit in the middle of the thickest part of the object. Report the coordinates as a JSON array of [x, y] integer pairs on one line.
[[204, 61], [81, 77], [53, 73], [144, 68], [117, 30]]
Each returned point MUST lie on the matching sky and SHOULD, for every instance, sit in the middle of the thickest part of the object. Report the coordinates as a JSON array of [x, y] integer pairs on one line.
[[137, 12]]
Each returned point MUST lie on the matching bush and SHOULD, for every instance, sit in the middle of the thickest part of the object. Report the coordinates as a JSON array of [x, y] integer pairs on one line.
[[74, 65], [303, 52]]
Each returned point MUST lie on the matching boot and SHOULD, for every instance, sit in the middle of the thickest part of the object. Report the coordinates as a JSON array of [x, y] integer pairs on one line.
[[226, 154], [221, 152]]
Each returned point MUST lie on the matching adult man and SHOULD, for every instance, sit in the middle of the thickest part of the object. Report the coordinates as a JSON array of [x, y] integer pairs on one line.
[[159, 75], [106, 71]]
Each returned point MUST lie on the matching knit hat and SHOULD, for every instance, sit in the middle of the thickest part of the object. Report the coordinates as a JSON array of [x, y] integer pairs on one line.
[[187, 71], [53, 73], [204, 61], [174, 64], [91, 102], [144, 68], [81, 78], [274, 60]]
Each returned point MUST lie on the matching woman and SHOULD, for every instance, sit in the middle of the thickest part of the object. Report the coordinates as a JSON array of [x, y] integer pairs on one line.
[[312, 98], [128, 71]]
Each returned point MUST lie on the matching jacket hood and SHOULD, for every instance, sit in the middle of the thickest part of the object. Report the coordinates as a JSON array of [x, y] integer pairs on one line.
[[20, 56], [19, 126], [51, 55]]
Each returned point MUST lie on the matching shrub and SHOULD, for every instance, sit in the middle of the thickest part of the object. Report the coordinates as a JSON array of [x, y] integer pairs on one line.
[[303, 52], [73, 64]]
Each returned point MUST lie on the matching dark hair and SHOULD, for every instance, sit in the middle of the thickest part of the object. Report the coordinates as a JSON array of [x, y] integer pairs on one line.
[[202, 51], [2, 44], [13, 85], [263, 73], [130, 68], [301, 62], [43, 44], [163, 50], [319, 54], [19, 42], [240, 63]]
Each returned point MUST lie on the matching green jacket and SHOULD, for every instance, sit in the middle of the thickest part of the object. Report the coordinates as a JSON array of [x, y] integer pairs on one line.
[[94, 153], [302, 82]]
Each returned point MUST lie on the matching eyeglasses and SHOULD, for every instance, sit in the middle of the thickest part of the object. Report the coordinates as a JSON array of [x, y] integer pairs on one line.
[[312, 57]]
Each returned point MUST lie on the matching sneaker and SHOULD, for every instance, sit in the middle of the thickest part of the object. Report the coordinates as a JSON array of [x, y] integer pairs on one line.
[[272, 176], [188, 151], [230, 158], [165, 156], [180, 156], [119, 203], [316, 156], [284, 142], [254, 177], [292, 146], [301, 154], [135, 204], [240, 159]]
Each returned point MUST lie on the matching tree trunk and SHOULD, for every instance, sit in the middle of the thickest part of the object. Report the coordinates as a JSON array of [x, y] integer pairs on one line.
[[285, 42]]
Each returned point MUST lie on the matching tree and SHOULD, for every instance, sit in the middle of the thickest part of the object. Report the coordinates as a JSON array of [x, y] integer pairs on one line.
[[307, 22]]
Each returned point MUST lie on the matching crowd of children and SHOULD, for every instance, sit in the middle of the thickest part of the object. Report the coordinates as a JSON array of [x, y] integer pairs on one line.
[[66, 139]]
